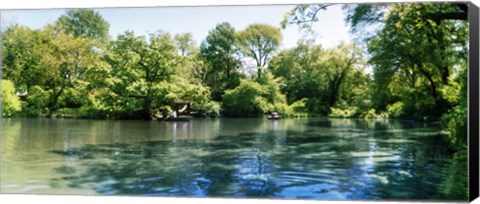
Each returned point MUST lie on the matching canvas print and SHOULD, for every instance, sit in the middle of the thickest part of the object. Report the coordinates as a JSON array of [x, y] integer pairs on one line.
[[318, 101]]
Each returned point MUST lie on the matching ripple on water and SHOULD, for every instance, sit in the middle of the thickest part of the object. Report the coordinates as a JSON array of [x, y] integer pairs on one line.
[[10, 186], [36, 187], [327, 191], [287, 178]]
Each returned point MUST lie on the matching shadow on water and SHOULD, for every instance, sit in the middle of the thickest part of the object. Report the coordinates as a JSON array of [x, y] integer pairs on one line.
[[405, 162]]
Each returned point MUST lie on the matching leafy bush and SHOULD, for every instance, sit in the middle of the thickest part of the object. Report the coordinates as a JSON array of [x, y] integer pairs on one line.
[[199, 95], [38, 99], [208, 109], [370, 114], [71, 98], [396, 110], [343, 113], [456, 122], [299, 107], [256, 97], [10, 102], [315, 106], [245, 100]]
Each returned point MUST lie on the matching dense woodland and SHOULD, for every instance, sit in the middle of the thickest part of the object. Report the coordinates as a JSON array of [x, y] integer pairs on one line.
[[409, 61]]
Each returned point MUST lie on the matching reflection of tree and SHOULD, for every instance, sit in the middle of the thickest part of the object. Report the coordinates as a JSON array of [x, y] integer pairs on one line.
[[352, 159]]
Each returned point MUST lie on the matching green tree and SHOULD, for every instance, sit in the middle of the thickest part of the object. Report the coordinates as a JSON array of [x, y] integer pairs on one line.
[[191, 65], [338, 64], [217, 53], [140, 69], [259, 42], [185, 44], [420, 53], [66, 62], [10, 102], [21, 56], [299, 69], [318, 75], [419, 45], [85, 23], [259, 96]]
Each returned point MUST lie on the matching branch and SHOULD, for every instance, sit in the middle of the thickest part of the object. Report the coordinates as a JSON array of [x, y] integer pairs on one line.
[[136, 96], [447, 16], [462, 6]]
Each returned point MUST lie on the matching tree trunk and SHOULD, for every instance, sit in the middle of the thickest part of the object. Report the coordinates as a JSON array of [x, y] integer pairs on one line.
[[56, 95], [146, 113]]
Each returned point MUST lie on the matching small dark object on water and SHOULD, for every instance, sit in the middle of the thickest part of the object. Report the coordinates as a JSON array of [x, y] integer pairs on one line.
[[274, 116], [179, 118]]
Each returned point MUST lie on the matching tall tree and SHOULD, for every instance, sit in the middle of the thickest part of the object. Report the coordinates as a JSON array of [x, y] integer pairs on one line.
[[66, 62], [85, 23], [417, 43], [140, 69], [259, 41], [317, 74], [186, 47], [299, 69], [21, 56], [185, 44], [420, 51], [338, 63], [218, 51]]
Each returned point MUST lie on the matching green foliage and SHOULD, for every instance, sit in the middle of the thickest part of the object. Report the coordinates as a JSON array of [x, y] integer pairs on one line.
[[208, 109], [85, 23], [396, 110], [37, 98], [415, 56], [246, 100], [361, 15], [220, 65], [140, 71], [259, 42], [456, 119], [299, 69], [185, 45], [322, 76], [303, 15], [256, 97], [182, 90], [67, 62], [298, 108], [21, 56], [343, 113], [10, 102]]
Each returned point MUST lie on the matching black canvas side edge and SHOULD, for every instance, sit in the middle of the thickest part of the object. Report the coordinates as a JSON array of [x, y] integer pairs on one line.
[[473, 100]]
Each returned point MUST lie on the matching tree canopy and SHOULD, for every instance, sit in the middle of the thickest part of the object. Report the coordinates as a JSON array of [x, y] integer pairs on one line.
[[259, 42], [85, 23], [218, 52]]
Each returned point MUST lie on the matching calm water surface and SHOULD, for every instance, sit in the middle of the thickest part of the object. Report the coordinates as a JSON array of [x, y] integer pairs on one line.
[[290, 158]]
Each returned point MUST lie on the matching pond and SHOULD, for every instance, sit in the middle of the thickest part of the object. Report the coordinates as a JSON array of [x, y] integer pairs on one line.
[[307, 158]]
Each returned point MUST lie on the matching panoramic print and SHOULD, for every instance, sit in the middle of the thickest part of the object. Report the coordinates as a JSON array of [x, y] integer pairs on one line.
[[321, 101]]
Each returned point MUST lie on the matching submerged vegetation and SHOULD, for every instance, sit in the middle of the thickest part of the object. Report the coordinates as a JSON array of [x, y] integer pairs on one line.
[[409, 62]]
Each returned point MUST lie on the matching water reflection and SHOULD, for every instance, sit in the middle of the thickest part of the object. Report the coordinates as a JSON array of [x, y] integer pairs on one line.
[[289, 164], [297, 158]]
